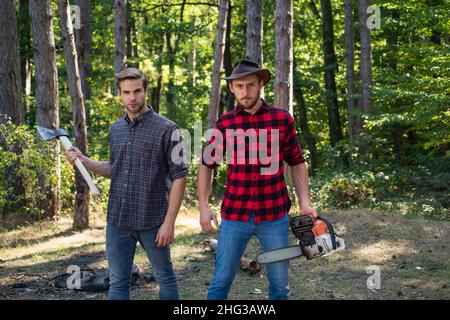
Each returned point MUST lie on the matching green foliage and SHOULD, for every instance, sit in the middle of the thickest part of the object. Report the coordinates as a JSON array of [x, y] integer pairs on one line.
[[22, 160]]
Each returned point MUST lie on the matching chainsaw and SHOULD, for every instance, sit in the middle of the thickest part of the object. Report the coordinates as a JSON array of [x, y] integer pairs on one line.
[[316, 238]]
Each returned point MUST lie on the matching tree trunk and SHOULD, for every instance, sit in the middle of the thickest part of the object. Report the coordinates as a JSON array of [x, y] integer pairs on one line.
[[120, 32], [366, 54], [392, 41], [83, 38], [10, 88], [24, 32], [330, 64], [309, 137], [172, 52], [10, 94], [156, 91], [254, 31], [352, 103], [84, 46], [47, 103], [81, 218], [283, 54], [170, 93], [192, 65], [131, 42], [218, 63], [228, 100]]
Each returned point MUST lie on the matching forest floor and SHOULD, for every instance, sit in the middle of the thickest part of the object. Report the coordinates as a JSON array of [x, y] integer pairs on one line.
[[412, 256]]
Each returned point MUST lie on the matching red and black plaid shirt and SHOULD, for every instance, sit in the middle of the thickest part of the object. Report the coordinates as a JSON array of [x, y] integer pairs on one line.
[[254, 182]]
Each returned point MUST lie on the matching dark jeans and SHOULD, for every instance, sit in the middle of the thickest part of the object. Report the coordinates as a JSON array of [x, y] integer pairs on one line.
[[120, 250]]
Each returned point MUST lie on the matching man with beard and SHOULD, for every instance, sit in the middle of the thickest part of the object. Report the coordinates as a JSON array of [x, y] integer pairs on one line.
[[256, 200], [146, 190]]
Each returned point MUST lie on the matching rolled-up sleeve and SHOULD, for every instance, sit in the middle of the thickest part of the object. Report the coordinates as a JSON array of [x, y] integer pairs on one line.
[[292, 153], [175, 153]]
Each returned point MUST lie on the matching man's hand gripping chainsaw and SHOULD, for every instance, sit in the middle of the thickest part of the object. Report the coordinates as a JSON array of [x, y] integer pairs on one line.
[[315, 239]]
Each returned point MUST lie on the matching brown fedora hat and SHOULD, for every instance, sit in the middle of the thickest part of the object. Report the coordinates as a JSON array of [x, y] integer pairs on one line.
[[246, 67]]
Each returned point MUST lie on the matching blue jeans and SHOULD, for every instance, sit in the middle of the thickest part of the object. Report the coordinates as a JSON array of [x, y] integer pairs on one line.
[[120, 250], [233, 238]]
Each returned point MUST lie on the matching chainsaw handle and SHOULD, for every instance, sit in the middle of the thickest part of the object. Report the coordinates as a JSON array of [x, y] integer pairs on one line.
[[87, 177]]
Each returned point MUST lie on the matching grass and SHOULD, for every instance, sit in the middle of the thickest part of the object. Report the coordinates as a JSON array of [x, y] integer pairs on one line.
[[412, 254]]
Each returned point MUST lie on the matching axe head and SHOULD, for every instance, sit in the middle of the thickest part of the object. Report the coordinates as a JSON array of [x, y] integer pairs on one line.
[[49, 134]]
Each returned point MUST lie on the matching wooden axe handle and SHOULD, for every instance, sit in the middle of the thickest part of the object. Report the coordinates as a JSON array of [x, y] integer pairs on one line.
[[87, 177]]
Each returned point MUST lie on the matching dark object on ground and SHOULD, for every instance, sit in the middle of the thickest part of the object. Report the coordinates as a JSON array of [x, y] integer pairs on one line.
[[90, 280]]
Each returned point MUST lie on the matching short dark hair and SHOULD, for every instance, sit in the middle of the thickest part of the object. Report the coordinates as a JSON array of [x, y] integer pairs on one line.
[[131, 73]]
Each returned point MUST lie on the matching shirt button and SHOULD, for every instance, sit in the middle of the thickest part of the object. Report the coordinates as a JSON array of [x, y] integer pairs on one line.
[[123, 200], [126, 171], [129, 143]]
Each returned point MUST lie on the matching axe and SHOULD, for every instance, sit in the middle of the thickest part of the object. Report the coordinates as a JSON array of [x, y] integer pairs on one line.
[[48, 134]]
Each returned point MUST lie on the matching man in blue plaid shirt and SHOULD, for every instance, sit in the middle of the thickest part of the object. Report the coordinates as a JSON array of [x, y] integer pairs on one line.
[[147, 188]]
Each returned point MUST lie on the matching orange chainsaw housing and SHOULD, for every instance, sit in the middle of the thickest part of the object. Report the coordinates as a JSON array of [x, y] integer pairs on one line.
[[320, 227]]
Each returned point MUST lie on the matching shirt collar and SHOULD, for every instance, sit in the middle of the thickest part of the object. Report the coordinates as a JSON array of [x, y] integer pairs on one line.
[[141, 118], [264, 107]]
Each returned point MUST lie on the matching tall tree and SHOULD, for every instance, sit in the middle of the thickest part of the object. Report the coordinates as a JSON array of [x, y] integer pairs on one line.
[[352, 102], [218, 63], [120, 32], [24, 32], [47, 105], [171, 89], [83, 37], [283, 54], [81, 218], [254, 31], [228, 99], [10, 88], [173, 35], [366, 57], [132, 50], [156, 89], [330, 66]]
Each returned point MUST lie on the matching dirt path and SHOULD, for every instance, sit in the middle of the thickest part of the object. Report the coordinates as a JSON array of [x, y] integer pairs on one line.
[[411, 257]]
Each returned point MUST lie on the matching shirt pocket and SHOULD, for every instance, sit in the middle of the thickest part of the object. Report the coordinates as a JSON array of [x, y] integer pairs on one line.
[[146, 152]]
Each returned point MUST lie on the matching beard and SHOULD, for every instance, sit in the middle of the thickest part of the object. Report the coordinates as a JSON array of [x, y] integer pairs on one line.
[[247, 103], [138, 105]]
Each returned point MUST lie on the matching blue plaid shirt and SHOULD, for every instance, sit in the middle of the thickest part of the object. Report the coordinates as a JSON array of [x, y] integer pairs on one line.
[[141, 171]]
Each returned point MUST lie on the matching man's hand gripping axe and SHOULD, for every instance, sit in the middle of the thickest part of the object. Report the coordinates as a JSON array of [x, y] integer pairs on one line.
[[48, 134]]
